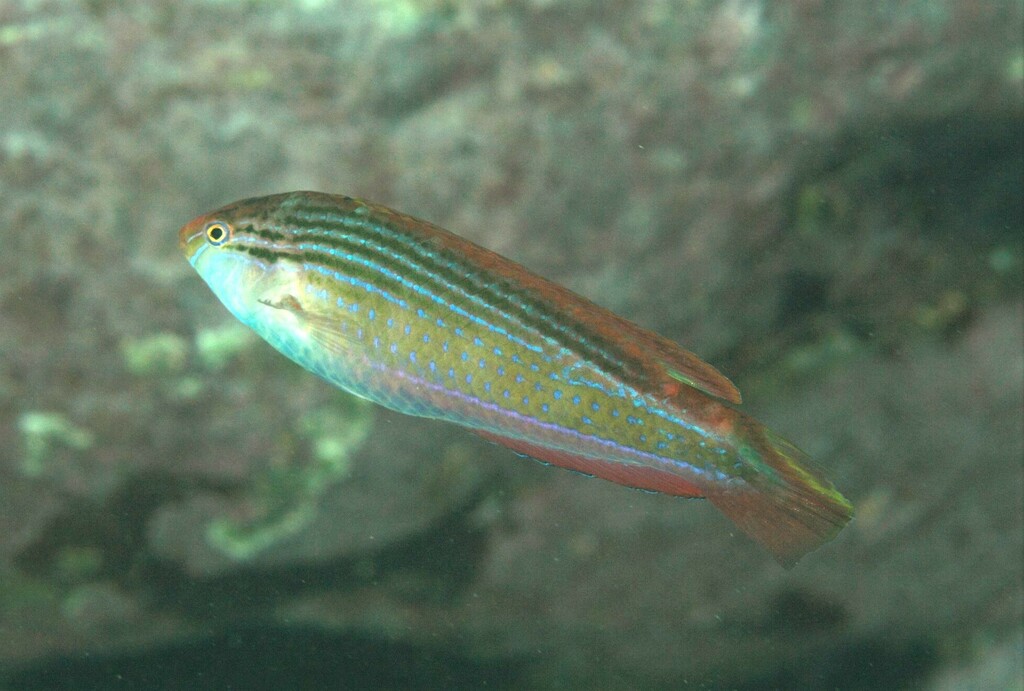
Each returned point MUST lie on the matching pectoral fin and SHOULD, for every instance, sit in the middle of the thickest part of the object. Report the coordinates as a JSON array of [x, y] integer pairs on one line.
[[324, 328]]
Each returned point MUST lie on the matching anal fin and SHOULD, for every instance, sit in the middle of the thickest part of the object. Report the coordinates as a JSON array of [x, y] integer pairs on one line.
[[636, 476]]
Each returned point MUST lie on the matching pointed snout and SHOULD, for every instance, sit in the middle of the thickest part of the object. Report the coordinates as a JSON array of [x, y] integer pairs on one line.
[[192, 236]]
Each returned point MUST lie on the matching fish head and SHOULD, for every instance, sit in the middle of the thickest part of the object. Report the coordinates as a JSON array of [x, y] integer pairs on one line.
[[246, 262]]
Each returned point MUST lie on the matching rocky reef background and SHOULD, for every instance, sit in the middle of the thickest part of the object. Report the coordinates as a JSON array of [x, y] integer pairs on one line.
[[821, 198]]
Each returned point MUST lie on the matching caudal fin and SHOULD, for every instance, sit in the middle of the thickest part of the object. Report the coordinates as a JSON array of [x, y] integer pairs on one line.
[[784, 502]]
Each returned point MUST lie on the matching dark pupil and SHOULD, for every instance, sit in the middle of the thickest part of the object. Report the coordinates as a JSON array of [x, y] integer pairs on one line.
[[216, 233]]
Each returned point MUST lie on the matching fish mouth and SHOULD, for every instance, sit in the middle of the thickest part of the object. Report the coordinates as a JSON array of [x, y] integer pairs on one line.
[[192, 237]]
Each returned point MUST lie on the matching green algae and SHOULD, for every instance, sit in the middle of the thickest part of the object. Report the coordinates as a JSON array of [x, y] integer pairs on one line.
[[1015, 68], [166, 353], [813, 359], [1003, 260], [285, 496], [187, 388], [399, 17], [158, 354], [166, 357], [950, 308], [820, 209], [219, 346], [77, 563], [42, 432]]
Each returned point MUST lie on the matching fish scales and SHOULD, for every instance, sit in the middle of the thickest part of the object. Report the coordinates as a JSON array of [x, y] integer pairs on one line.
[[446, 272], [507, 378], [412, 317], [488, 363]]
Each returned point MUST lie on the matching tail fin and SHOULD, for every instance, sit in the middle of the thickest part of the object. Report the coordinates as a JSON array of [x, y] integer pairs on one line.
[[784, 503]]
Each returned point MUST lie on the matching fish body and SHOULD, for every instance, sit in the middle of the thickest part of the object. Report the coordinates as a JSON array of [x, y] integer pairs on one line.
[[412, 317]]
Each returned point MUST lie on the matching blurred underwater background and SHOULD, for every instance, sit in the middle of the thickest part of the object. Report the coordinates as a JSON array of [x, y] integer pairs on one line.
[[822, 199]]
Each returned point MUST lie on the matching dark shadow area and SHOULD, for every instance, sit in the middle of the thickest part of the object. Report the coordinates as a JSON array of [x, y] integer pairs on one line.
[[115, 530], [280, 658], [271, 658], [896, 227], [432, 568], [957, 176], [858, 666]]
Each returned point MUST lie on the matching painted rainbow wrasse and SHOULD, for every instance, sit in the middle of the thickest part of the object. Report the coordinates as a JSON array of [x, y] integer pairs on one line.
[[412, 317]]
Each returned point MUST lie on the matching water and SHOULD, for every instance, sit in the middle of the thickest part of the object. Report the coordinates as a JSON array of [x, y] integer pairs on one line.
[[821, 200]]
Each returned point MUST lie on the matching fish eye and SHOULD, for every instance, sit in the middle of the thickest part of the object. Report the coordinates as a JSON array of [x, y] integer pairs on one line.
[[217, 233]]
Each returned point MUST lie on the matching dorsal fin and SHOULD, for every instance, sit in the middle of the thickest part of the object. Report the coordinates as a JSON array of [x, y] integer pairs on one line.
[[673, 365]]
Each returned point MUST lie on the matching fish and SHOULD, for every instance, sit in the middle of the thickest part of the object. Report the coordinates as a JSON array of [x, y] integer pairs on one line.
[[408, 315]]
